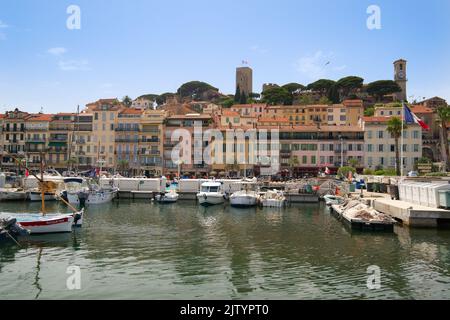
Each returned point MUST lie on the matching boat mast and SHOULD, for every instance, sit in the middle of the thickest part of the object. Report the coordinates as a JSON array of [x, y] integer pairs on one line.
[[42, 186]]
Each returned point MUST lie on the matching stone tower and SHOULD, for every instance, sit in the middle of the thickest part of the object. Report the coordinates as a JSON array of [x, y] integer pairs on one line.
[[244, 80], [400, 78]]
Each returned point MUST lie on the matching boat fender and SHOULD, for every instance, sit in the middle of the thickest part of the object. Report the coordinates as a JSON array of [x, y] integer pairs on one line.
[[204, 196]]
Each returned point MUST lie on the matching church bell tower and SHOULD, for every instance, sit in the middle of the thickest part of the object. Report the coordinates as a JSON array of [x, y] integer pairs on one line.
[[400, 78]]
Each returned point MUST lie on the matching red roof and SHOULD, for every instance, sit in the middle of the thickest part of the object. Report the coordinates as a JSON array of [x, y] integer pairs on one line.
[[376, 119], [131, 111], [242, 106], [230, 113], [273, 119], [421, 109], [40, 117], [353, 103]]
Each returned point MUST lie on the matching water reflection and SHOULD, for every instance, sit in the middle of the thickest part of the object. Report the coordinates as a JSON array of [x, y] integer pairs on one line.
[[132, 249]]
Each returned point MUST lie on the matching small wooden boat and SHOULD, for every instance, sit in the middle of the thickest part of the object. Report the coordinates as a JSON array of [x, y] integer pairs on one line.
[[331, 199], [170, 196], [37, 223], [273, 198]]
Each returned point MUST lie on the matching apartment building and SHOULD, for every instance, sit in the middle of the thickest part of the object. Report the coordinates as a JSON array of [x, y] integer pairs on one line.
[[13, 136], [308, 149], [346, 114], [2, 116], [127, 133], [186, 122], [380, 145], [61, 130], [151, 144], [37, 127], [105, 118], [253, 110], [82, 142]]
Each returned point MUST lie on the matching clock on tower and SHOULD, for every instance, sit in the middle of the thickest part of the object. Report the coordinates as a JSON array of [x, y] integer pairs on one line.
[[400, 78]]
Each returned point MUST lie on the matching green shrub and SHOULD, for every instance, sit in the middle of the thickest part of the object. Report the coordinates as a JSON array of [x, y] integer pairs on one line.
[[368, 172]]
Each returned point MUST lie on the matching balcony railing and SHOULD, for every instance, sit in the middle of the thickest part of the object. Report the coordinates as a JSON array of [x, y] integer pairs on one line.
[[150, 140], [127, 140], [128, 129]]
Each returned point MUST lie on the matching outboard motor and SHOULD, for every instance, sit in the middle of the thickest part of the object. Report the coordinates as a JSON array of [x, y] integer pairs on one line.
[[77, 217], [82, 196]]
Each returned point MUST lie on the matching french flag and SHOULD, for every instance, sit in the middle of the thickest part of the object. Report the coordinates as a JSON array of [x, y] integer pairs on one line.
[[411, 118]]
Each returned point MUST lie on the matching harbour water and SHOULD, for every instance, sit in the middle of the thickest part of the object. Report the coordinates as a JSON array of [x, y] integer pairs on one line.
[[140, 250]]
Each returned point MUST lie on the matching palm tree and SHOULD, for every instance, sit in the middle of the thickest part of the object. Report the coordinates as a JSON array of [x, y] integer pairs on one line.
[[443, 113], [293, 162], [122, 166], [395, 129], [71, 162], [127, 101]]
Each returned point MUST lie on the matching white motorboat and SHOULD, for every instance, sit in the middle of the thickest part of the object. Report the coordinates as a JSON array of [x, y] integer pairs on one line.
[[273, 198], [35, 195], [331, 199], [170, 196], [12, 194], [37, 223], [92, 195], [245, 197], [79, 190], [211, 193]]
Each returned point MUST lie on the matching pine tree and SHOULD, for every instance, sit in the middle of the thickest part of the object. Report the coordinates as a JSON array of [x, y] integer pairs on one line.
[[237, 96], [243, 98]]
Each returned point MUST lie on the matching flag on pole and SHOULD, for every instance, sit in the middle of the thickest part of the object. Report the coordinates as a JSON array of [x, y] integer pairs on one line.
[[411, 118]]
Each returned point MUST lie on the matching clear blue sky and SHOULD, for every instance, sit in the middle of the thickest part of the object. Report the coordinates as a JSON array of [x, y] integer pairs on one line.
[[136, 47]]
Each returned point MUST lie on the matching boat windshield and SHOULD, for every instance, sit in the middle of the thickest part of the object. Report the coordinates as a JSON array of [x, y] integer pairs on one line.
[[210, 189]]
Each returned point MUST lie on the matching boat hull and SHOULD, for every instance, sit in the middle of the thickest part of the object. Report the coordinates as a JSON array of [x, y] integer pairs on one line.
[[37, 224], [12, 195], [206, 199], [93, 197], [243, 201], [37, 196], [273, 203], [166, 198]]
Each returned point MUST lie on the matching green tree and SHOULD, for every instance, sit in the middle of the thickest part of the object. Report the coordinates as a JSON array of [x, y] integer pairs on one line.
[[237, 96], [323, 86], [443, 118], [394, 127], [305, 100], [333, 94], [277, 95], [243, 99], [379, 89], [71, 162], [123, 166], [344, 171], [325, 100], [353, 162], [349, 85], [369, 112], [161, 99], [194, 89], [227, 103], [293, 163], [127, 101], [294, 87]]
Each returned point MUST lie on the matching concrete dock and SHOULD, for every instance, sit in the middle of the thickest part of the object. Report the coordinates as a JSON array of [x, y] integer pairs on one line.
[[413, 215]]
